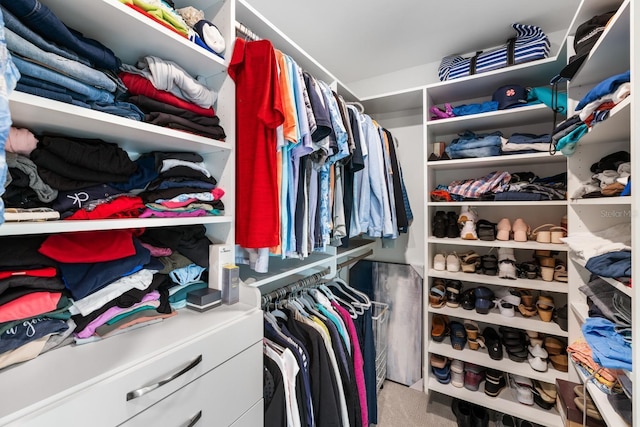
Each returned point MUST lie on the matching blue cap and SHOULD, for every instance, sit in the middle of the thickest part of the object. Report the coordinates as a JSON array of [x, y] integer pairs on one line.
[[510, 96]]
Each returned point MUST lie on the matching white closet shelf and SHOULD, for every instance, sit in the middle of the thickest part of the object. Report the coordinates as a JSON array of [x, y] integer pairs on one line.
[[627, 290], [96, 19], [286, 269], [507, 160], [405, 100], [495, 318], [610, 54], [505, 402], [538, 113], [356, 248], [97, 362], [625, 200], [69, 226], [535, 73], [609, 415], [46, 115], [481, 357], [490, 203], [581, 310], [499, 244], [614, 128], [537, 284]]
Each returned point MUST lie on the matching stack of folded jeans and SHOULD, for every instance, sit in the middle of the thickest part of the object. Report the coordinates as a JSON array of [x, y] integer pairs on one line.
[[472, 145], [521, 143], [60, 64]]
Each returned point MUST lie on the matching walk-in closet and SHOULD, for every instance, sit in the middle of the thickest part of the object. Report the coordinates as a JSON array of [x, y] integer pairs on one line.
[[275, 213]]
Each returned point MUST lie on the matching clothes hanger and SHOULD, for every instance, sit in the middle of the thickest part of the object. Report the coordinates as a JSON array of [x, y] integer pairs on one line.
[[353, 311], [359, 305], [364, 296]]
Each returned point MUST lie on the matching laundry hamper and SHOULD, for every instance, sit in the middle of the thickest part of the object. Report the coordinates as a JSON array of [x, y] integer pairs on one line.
[[380, 318]]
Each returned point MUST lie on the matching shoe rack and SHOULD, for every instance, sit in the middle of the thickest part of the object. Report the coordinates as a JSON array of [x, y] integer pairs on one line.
[[530, 119]]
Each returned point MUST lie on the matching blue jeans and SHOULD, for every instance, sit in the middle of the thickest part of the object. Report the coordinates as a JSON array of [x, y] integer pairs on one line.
[[65, 66], [41, 84], [43, 21], [42, 73], [9, 76], [50, 94], [12, 23], [119, 108], [475, 145]]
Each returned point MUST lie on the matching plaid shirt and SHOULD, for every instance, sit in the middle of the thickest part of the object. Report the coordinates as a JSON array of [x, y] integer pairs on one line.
[[494, 182]]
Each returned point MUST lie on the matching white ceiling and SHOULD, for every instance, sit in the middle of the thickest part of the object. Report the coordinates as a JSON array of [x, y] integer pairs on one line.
[[360, 39]]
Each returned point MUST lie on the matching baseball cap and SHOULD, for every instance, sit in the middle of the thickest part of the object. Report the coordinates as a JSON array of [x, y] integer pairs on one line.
[[587, 34], [510, 96]]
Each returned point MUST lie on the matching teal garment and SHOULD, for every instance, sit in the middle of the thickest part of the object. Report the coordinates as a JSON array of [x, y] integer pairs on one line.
[[545, 95], [129, 313], [338, 323], [567, 144], [181, 293]]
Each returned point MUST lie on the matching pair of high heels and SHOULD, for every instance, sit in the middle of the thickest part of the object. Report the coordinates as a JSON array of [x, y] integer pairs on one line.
[[519, 230]]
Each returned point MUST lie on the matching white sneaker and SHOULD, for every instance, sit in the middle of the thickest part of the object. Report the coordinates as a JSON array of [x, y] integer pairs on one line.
[[453, 263], [468, 231], [467, 213]]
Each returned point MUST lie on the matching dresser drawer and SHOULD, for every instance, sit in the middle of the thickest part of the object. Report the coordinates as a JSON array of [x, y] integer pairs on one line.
[[218, 398], [120, 394], [254, 417]]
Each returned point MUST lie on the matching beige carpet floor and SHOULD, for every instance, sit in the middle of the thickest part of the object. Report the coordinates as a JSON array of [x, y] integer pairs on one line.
[[401, 406]]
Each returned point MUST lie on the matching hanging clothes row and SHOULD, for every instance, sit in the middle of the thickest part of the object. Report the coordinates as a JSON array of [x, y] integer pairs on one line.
[[319, 356], [311, 170]]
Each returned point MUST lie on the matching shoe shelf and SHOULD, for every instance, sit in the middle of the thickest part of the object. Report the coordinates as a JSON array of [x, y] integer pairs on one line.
[[627, 290], [507, 160], [535, 284], [505, 402], [600, 399], [624, 200], [495, 318], [499, 203], [499, 243], [481, 357], [492, 120], [615, 128], [67, 226]]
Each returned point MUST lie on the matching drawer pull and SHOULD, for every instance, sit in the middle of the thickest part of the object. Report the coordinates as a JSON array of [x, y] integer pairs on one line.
[[146, 389], [193, 421]]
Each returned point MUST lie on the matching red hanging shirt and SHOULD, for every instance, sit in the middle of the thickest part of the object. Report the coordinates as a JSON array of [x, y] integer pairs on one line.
[[259, 112]]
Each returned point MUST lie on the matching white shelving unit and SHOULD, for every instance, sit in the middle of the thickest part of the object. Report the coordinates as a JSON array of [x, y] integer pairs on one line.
[[612, 54], [94, 379]]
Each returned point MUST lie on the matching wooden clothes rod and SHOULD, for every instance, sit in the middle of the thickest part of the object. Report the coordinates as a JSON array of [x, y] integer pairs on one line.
[[354, 259]]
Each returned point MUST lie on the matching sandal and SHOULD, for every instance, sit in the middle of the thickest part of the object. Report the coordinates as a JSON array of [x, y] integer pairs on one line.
[[489, 265], [560, 273], [437, 294], [468, 299], [452, 225], [523, 388], [507, 304], [484, 299], [454, 288], [486, 230], [561, 317], [469, 262], [521, 230], [492, 341], [506, 263], [527, 270], [560, 362], [545, 310], [554, 345], [538, 358], [439, 327], [590, 409], [552, 235], [438, 361], [540, 396]]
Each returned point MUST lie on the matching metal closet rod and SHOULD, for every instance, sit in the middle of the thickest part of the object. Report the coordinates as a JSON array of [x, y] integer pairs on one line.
[[248, 33], [354, 259], [306, 282]]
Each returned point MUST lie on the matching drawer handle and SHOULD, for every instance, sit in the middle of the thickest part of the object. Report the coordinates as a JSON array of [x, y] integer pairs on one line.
[[193, 421], [146, 389]]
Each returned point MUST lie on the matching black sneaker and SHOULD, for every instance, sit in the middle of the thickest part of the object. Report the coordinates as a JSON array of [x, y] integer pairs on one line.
[[439, 224], [453, 230]]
